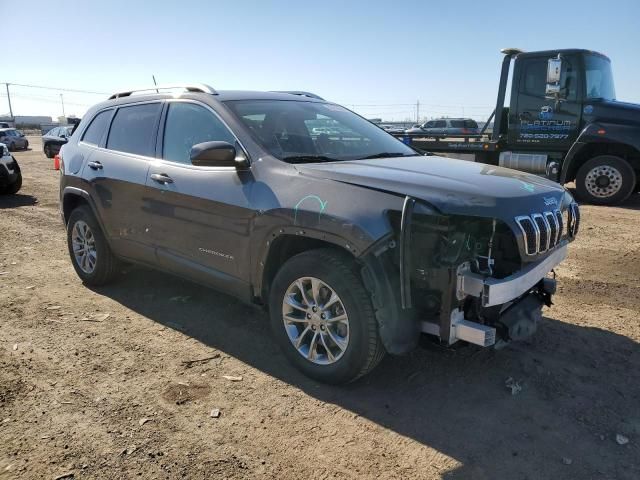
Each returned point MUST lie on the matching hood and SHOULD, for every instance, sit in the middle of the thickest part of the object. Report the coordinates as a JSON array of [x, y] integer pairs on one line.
[[612, 111], [456, 187]]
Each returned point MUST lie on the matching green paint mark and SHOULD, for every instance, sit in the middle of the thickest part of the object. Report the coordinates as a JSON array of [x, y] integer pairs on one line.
[[529, 187], [323, 205]]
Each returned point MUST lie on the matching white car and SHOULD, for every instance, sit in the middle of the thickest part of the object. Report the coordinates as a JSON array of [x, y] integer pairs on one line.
[[10, 176]]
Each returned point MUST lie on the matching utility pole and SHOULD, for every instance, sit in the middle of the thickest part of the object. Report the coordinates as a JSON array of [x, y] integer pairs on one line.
[[62, 100], [417, 111], [9, 100]]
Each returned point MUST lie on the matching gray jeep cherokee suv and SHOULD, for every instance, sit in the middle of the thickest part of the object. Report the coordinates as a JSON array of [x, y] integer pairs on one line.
[[357, 244]]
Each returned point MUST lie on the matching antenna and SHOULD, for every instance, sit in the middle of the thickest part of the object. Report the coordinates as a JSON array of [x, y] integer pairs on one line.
[[154, 82]]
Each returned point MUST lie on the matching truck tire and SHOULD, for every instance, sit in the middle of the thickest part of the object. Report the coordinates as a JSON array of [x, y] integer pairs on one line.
[[605, 180], [322, 317], [90, 254]]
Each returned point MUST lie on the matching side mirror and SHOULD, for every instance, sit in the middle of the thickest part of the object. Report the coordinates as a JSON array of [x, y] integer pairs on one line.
[[215, 154], [554, 70]]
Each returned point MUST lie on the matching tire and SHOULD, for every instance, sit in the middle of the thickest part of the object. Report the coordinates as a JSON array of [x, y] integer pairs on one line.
[[11, 147], [605, 180], [337, 272], [47, 151], [26, 145], [106, 265], [13, 187]]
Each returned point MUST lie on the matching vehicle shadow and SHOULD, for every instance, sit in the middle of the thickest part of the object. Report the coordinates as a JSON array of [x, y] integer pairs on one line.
[[17, 200], [453, 401], [631, 203]]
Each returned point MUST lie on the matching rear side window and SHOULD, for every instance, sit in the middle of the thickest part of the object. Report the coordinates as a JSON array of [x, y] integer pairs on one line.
[[188, 124], [133, 129], [457, 123], [470, 124], [93, 135]]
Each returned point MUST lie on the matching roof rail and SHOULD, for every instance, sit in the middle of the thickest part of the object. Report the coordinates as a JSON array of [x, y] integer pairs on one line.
[[301, 93], [190, 87]]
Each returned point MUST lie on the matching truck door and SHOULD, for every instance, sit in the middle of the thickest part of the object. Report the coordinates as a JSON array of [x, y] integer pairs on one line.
[[539, 121]]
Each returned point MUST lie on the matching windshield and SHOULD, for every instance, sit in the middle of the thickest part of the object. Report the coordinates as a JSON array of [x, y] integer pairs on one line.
[[299, 131], [599, 79]]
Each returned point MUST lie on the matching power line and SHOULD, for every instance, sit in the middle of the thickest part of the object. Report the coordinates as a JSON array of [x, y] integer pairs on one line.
[[55, 88]]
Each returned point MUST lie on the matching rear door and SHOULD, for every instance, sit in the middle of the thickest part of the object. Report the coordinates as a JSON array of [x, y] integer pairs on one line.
[[540, 122], [199, 216], [117, 168]]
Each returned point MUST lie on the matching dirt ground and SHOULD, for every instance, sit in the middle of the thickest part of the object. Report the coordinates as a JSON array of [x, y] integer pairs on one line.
[[102, 384]]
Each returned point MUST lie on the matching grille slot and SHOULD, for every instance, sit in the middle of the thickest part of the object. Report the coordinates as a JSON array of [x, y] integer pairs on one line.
[[575, 219], [543, 228], [530, 232], [550, 217], [560, 224]]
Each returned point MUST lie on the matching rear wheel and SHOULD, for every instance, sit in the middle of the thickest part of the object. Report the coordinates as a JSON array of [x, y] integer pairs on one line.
[[90, 254], [26, 145], [322, 317], [605, 180], [47, 151]]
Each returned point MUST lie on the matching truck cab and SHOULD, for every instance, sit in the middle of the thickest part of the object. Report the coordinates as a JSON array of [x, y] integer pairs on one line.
[[563, 122]]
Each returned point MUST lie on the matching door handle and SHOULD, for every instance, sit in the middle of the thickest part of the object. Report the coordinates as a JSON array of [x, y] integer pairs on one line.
[[95, 165], [161, 178]]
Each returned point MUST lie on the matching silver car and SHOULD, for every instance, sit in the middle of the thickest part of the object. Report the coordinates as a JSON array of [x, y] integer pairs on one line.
[[447, 126]]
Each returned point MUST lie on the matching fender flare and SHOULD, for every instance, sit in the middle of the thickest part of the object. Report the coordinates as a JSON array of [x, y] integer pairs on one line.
[[627, 135], [79, 192]]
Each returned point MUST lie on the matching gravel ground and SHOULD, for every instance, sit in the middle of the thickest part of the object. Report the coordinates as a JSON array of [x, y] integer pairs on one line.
[[103, 383]]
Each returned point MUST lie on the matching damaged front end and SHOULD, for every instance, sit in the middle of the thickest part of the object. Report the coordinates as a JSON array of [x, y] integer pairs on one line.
[[477, 279]]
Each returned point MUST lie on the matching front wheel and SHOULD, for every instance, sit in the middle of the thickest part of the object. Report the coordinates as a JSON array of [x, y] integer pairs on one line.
[[605, 180], [47, 151], [90, 254], [322, 317]]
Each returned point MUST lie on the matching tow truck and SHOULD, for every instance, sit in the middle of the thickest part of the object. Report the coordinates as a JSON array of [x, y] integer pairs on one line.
[[563, 122]]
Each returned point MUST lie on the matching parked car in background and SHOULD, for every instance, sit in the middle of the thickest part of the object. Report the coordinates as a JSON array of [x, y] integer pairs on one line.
[[10, 176], [391, 128], [53, 140], [448, 126], [4, 125], [13, 139]]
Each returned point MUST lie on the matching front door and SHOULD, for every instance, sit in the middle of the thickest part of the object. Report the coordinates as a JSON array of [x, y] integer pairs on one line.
[[199, 217], [539, 122]]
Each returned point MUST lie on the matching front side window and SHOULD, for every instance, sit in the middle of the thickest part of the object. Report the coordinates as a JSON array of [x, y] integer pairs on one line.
[[188, 124], [303, 131], [94, 134], [599, 79], [133, 129]]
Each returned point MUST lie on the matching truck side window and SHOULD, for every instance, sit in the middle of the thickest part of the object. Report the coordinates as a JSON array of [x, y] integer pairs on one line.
[[535, 78], [187, 125]]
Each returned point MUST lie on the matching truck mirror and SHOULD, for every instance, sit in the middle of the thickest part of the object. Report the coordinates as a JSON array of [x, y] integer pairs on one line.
[[554, 69]]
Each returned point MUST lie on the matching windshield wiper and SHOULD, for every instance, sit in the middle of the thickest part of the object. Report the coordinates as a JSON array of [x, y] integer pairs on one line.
[[308, 158], [385, 155]]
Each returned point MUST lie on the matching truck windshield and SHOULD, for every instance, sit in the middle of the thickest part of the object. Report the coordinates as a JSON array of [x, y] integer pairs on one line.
[[303, 131], [599, 79]]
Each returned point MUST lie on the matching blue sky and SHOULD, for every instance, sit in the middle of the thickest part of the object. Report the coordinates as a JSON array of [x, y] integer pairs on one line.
[[378, 57]]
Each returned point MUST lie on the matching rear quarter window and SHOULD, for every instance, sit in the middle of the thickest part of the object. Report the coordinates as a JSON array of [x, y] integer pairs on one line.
[[95, 132], [133, 129]]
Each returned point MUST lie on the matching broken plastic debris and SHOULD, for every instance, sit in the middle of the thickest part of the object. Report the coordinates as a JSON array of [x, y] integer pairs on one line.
[[515, 387], [215, 413], [232, 378], [621, 439]]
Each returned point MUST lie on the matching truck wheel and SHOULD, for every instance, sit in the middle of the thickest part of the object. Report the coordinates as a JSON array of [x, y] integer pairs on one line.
[[90, 254], [322, 317], [605, 180], [14, 187]]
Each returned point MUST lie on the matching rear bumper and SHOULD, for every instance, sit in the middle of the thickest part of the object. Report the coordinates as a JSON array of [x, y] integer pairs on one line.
[[493, 291]]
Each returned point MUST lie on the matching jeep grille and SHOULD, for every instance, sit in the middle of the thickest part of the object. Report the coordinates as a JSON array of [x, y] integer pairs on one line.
[[543, 231]]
